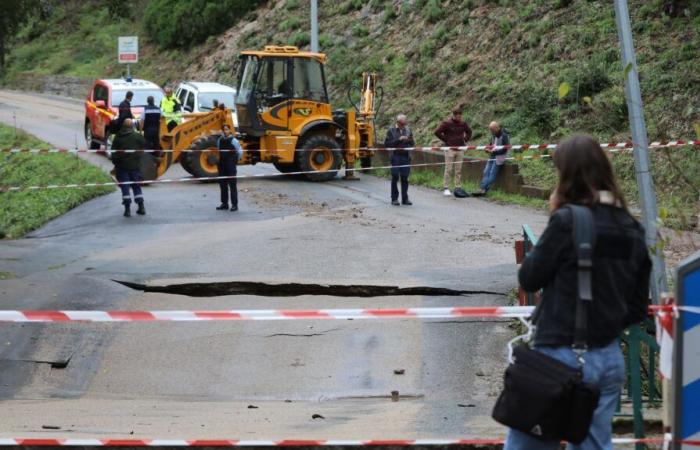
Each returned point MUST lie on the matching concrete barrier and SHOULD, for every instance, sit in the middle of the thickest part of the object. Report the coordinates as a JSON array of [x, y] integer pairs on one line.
[[508, 180]]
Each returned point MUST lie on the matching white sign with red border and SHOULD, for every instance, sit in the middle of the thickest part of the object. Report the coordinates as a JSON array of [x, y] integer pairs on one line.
[[128, 49]]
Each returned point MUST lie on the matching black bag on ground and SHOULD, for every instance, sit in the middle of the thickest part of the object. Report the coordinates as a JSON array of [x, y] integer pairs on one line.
[[542, 396], [461, 193]]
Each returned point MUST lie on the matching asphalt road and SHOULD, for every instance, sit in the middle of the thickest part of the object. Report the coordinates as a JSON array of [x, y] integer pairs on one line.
[[244, 379]]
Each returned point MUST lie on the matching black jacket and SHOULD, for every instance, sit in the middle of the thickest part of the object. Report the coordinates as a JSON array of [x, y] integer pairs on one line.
[[621, 270], [392, 140], [128, 139], [124, 113]]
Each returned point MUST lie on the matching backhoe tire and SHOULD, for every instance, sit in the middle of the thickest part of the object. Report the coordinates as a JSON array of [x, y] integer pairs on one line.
[[286, 167], [203, 158], [321, 156], [148, 167], [184, 162]]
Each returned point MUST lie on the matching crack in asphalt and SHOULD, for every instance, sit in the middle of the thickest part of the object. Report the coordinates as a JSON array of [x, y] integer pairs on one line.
[[322, 333], [216, 289]]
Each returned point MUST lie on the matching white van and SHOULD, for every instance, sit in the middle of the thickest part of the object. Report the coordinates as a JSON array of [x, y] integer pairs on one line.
[[198, 97]]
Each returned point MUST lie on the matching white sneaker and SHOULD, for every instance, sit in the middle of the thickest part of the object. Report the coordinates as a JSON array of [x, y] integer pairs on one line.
[[446, 193]]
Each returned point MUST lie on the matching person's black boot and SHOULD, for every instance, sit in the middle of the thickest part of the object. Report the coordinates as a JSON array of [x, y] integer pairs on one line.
[[127, 210], [142, 210], [234, 208], [222, 207]]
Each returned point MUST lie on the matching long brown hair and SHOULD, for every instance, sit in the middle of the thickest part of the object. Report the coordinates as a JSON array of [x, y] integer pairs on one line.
[[584, 170]]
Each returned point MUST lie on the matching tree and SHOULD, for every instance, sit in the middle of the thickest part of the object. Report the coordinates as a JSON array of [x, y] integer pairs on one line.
[[15, 13]]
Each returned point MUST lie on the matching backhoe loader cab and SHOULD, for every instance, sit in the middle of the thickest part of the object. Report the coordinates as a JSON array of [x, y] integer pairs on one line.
[[279, 88]]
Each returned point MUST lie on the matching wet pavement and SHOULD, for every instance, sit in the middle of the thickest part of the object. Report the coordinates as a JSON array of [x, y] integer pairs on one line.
[[178, 380]]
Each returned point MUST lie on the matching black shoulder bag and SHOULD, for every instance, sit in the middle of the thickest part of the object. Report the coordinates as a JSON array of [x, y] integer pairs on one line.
[[542, 396]]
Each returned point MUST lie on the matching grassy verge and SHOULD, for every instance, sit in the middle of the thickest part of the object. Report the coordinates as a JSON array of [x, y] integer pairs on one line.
[[24, 211]]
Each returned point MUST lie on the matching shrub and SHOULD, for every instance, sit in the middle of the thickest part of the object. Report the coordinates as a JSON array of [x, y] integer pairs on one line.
[[291, 23], [537, 108], [462, 64], [359, 30], [300, 39], [182, 23], [433, 11]]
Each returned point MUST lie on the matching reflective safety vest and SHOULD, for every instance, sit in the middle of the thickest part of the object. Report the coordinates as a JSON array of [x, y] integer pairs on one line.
[[167, 105]]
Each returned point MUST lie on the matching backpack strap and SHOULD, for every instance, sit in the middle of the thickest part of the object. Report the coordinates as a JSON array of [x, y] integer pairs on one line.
[[584, 241]]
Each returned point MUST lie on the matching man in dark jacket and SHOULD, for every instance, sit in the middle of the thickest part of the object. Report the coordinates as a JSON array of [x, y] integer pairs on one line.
[[127, 165], [454, 133], [124, 111], [400, 137], [150, 124], [499, 137], [230, 152]]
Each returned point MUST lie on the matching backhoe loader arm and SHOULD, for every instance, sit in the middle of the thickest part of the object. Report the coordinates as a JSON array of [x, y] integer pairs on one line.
[[368, 96], [182, 136]]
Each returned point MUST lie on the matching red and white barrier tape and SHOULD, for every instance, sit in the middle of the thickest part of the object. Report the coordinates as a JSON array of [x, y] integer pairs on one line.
[[272, 174], [45, 442], [265, 314], [228, 177], [450, 312], [518, 147]]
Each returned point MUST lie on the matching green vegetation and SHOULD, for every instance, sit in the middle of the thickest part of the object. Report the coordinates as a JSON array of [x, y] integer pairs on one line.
[[501, 59], [27, 210], [183, 23]]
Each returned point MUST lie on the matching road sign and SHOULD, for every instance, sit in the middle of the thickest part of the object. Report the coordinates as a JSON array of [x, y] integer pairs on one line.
[[686, 373], [128, 49]]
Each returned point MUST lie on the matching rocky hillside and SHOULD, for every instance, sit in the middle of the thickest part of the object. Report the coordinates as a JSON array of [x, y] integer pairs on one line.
[[501, 59]]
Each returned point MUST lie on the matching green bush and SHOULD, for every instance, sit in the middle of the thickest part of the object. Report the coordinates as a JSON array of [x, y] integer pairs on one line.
[[433, 11], [182, 23], [537, 108], [300, 39], [359, 30], [462, 64]]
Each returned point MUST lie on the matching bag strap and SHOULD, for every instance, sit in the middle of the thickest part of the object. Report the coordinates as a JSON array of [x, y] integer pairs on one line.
[[584, 242]]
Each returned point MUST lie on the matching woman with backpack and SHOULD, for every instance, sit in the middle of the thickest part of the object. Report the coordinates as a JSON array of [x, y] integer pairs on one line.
[[619, 279]]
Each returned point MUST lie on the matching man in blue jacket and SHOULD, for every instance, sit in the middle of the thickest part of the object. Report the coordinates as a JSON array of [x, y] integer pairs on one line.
[[230, 152], [499, 137], [400, 137]]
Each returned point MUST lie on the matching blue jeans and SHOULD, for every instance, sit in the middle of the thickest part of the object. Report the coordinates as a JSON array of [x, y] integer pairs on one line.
[[490, 174], [130, 175], [605, 368]]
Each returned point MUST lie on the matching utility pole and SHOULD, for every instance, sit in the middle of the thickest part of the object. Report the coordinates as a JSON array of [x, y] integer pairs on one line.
[[645, 184], [314, 25]]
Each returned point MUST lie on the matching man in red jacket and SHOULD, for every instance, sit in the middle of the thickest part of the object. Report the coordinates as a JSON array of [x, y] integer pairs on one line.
[[454, 133]]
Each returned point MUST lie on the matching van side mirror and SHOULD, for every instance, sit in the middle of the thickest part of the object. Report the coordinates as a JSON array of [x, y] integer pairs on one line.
[[101, 104]]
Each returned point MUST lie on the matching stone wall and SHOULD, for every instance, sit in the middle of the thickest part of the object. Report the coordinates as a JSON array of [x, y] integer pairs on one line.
[[509, 180], [63, 85]]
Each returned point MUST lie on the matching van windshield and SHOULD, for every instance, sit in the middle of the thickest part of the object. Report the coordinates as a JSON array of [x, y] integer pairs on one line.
[[206, 100], [140, 96]]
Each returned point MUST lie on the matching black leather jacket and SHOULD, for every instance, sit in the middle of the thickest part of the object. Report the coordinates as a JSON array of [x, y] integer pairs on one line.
[[621, 270]]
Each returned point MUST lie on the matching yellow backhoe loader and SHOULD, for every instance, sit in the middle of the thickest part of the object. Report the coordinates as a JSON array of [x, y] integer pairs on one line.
[[284, 118]]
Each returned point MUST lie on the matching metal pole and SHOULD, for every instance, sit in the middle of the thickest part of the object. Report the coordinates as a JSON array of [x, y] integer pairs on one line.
[[314, 25], [645, 184]]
